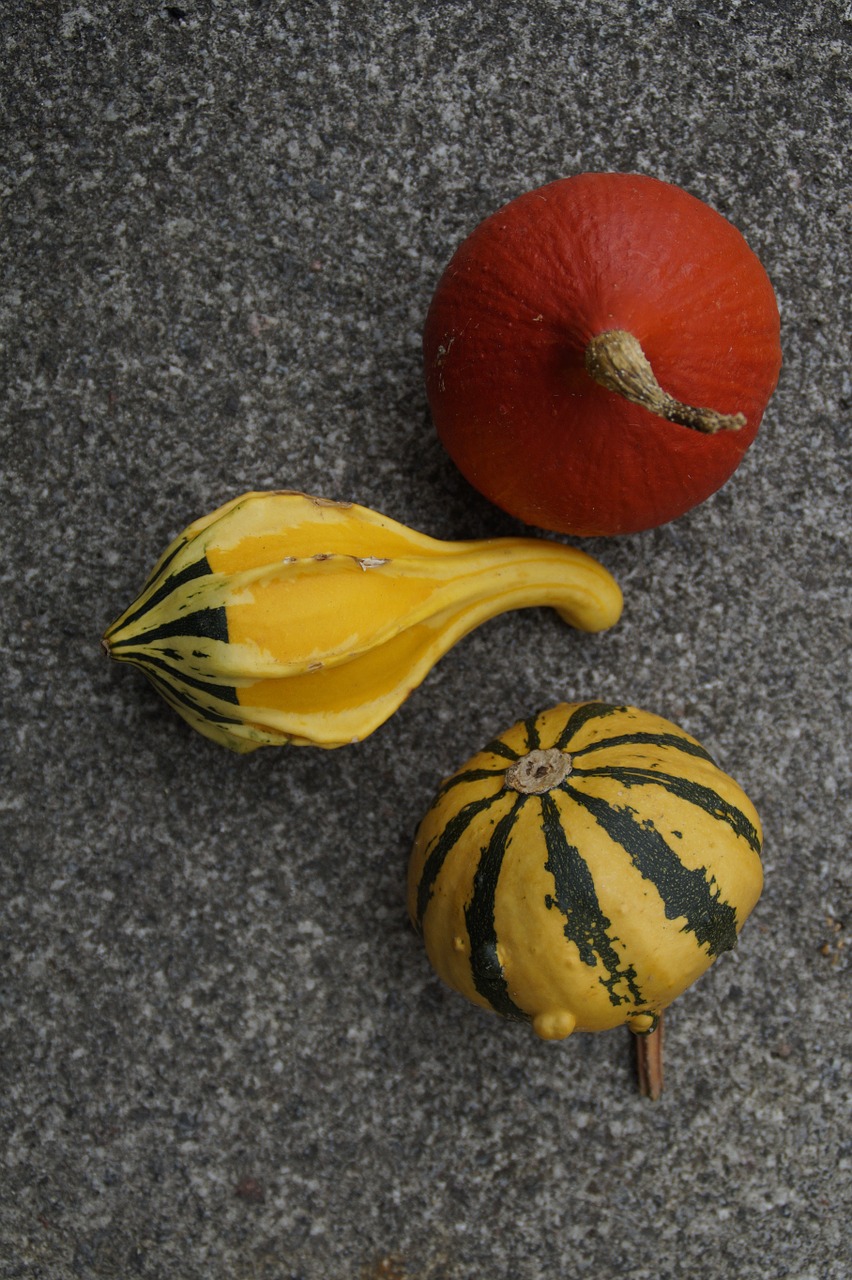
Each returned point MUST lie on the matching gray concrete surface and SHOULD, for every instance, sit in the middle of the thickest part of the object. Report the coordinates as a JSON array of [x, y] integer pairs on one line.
[[224, 1054]]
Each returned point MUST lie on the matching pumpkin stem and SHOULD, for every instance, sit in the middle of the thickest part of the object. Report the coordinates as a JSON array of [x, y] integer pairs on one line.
[[649, 1060], [616, 361], [539, 771]]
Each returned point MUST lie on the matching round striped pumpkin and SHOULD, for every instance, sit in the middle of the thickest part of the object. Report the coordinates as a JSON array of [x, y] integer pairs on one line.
[[583, 869]]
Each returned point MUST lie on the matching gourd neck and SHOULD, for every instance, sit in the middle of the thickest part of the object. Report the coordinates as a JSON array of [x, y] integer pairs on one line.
[[538, 771], [615, 360]]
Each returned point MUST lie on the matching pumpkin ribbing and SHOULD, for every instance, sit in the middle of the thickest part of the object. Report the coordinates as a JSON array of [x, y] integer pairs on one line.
[[598, 900], [574, 339]]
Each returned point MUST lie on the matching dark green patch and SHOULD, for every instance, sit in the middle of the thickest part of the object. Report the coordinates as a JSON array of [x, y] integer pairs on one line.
[[648, 739], [584, 713], [498, 747], [702, 797], [160, 568], [684, 892], [576, 898], [198, 569], [531, 730], [486, 970], [178, 699], [443, 845], [225, 693], [468, 775], [204, 624]]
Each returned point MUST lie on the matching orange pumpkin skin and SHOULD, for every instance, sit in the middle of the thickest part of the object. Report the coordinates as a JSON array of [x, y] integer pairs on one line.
[[505, 339]]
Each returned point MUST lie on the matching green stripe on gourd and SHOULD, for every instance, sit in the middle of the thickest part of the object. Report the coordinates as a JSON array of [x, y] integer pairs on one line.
[[650, 740], [575, 898], [693, 792], [603, 889], [487, 971], [685, 893]]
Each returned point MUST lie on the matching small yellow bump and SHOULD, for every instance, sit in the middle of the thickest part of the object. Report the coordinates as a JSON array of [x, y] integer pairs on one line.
[[555, 1025], [642, 1023]]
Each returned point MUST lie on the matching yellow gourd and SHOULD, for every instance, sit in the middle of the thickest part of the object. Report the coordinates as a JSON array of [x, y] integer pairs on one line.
[[583, 869], [285, 618]]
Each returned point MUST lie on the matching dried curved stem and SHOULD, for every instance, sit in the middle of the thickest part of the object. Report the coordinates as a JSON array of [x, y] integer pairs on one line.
[[649, 1061], [615, 360]]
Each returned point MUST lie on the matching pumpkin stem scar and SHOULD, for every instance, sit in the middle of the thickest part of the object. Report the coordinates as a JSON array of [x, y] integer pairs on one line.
[[538, 771], [615, 360]]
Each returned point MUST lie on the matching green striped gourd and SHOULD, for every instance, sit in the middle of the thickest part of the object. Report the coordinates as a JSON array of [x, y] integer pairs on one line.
[[583, 869], [284, 618]]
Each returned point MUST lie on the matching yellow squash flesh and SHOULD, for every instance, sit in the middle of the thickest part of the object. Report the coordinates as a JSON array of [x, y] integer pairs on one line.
[[285, 618]]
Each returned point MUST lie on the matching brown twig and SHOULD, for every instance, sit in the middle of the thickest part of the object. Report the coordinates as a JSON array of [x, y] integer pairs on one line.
[[649, 1062]]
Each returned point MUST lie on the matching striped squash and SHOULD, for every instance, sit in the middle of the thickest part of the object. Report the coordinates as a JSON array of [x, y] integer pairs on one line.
[[583, 869], [284, 618]]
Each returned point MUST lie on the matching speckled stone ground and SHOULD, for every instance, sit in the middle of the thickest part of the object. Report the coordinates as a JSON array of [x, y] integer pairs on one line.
[[224, 1055]]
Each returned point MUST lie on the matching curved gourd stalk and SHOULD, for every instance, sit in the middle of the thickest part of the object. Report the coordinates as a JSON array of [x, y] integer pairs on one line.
[[284, 618]]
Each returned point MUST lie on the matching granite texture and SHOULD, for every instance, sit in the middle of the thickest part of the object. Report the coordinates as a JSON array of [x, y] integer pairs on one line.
[[224, 1054]]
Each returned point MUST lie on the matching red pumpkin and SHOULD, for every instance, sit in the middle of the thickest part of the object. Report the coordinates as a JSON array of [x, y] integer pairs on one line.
[[684, 323]]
